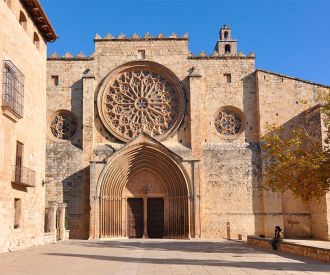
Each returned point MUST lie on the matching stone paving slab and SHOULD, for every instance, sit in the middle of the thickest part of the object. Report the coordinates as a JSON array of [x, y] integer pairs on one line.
[[137, 256]]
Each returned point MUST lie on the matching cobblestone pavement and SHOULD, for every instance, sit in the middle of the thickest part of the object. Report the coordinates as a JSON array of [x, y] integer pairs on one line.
[[136, 256]]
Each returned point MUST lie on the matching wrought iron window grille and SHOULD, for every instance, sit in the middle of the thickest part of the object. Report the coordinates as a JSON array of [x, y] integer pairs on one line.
[[13, 88]]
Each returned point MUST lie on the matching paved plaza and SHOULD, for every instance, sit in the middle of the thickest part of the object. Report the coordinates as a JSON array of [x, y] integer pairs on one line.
[[137, 256]]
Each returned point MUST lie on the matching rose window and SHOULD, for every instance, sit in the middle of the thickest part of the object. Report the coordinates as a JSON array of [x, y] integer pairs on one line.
[[141, 100], [63, 125], [229, 121]]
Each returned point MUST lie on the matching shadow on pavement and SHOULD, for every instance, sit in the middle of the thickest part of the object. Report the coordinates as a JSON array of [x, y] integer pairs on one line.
[[238, 250], [262, 265]]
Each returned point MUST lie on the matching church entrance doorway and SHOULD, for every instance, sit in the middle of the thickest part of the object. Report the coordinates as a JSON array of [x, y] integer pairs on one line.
[[135, 218], [140, 222], [143, 193], [155, 219]]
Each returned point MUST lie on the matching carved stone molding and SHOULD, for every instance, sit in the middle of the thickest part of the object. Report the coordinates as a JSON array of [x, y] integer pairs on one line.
[[141, 97]]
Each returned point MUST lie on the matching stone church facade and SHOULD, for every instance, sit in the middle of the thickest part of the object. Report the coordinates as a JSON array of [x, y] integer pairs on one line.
[[147, 140]]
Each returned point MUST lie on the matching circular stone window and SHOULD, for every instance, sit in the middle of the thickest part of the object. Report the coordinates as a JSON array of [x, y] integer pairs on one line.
[[63, 125], [141, 97], [229, 121]]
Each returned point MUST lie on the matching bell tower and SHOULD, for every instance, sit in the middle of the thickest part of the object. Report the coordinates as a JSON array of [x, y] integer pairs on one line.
[[226, 45]]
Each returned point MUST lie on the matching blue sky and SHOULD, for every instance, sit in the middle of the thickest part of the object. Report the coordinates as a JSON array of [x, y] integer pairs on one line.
[[288, 36]]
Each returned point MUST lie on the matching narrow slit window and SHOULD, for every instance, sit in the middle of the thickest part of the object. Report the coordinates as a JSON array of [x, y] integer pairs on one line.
[[228, 78], [17, 213], [54, 80]]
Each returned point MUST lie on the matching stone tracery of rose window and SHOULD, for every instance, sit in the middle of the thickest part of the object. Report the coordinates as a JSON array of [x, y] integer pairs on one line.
[[140, 100], [228, 121], [63, 125]]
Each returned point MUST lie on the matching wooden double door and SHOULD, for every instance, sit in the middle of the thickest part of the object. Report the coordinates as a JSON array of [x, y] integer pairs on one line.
[[152, 224]]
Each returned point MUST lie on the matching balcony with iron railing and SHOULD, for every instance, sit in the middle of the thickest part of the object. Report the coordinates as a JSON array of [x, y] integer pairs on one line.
[[23, 176]]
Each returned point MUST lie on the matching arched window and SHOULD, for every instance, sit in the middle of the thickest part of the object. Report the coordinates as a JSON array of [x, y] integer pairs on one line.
[[225, 35], [227, 48], [22, 20], [36, 40]]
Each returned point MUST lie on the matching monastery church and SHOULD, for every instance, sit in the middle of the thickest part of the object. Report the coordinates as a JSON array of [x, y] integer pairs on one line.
[[142, 139]]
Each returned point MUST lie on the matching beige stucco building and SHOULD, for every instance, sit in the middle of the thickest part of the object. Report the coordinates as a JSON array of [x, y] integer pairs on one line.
[[24, 32], [147, 140]]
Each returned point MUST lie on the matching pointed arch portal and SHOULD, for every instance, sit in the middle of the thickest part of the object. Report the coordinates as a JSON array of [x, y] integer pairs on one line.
[[147, 176]]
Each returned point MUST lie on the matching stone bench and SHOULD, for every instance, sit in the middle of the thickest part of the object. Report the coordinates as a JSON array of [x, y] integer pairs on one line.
[[313, 252]]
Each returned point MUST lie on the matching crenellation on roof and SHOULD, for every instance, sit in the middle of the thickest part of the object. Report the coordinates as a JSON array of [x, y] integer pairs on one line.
[[135, 37], [69, 57]]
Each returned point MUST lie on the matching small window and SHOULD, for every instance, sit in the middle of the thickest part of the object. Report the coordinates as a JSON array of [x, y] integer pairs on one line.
[[225, 35], [227, 48], [54, 80], [22, 20], [36, 40], [228, 78], [142, 54], [17, 213]]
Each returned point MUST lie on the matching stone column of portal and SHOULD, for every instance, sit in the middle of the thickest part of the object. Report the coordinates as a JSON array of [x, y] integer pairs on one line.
[[196, 90], [62, 207], [196, 200], [94, 203], [51, 218], [88, 137], [145, 217]]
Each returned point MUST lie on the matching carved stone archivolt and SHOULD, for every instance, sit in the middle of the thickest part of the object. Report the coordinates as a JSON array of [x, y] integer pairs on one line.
[[141, 97], [229, 121], [142, 156], [63, 125]]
